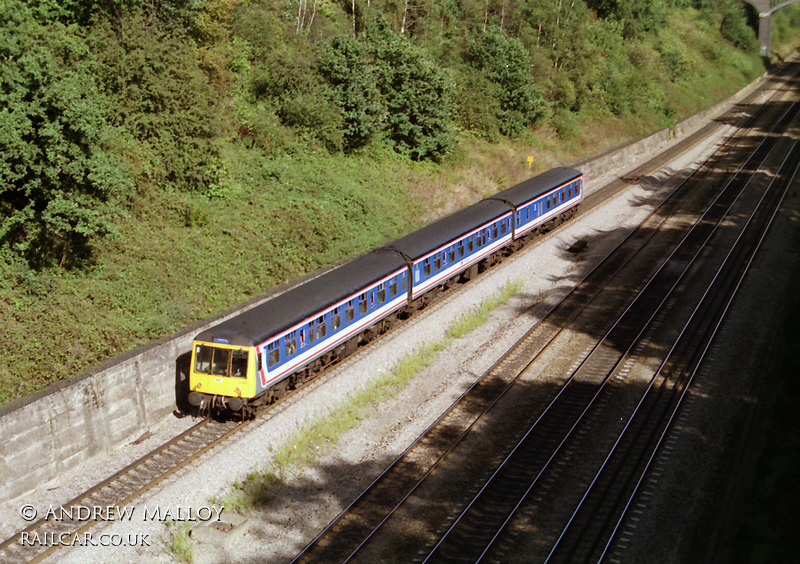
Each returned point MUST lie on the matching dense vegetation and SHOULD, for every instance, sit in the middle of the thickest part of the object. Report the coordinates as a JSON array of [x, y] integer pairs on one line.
[[165, 159]]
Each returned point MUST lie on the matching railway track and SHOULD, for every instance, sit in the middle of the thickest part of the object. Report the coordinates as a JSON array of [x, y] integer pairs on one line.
[[115, 492], [589, 533], [575, 418], [484, 523]]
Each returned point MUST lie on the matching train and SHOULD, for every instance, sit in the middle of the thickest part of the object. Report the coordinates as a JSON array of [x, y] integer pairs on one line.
[[253, 358]]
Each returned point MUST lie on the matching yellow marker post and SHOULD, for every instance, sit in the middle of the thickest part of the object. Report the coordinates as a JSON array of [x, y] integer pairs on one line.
[[530, 161]]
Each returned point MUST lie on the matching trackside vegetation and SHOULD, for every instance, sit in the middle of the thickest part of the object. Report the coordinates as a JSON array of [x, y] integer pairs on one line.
[[163, 160]]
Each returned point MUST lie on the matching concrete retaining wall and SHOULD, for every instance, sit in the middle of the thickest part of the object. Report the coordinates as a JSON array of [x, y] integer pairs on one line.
[[92, 414], [66, 424], [70, 422]]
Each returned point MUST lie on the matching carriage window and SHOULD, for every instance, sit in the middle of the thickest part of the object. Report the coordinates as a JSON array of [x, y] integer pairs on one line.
[[349, 312], [322, 327], [381, 293], [460, 249], [403, 287], [437, 264], [336, 319], [393, 288], [312, 336], [291, 346], [451, 256], [503, 227], [274, 356], [362, 304], [426, 267], [239, 364], [470, 246]]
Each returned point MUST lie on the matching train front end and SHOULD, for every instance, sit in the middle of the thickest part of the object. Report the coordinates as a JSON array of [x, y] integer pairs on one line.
[[222, 376]]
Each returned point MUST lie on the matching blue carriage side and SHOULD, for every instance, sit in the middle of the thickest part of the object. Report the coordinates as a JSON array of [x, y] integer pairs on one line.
[[542, 198], [452, 244], [350, 299]]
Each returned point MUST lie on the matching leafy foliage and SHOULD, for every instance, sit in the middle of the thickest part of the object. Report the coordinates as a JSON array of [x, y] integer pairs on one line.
[[383, 83], [734, 28], [234, 144], [164, 100], [639, 17], [348, 67], [505, 63], [57, 174]]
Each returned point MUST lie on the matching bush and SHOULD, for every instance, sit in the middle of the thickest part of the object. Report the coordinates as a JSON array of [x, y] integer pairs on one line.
[[505, 62], [477, 104], [383, 84], [163, 100], [58, 176], [347, 66], [734, 28]]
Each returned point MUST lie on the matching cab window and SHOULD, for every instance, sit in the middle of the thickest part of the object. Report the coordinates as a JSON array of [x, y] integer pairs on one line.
[[239, 364], [202, 359], [219, 364]]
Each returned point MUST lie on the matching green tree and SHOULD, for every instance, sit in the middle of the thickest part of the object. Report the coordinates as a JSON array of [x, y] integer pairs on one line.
[[347, 66], [506, 63], [639, 17], [735, 29], [383, 83], [416, 94], [163, 100], [58, 175]]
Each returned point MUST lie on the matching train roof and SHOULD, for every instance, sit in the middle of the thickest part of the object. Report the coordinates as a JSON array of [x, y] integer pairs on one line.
[[536, 186], [447, 229], [285, 310]]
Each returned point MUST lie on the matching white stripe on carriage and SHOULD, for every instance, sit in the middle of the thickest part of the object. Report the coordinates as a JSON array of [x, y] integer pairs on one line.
[[324, 346]]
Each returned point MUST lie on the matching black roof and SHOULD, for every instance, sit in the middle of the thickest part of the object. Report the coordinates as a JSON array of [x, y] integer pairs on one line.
[[445, 230], [285, 310], [536, 186]]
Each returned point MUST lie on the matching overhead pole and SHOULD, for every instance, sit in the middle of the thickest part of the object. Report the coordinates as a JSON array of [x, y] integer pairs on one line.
[[765, 10], [765, 32]]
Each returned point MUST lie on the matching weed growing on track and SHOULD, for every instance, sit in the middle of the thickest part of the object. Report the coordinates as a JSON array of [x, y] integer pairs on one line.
[[316, 437]]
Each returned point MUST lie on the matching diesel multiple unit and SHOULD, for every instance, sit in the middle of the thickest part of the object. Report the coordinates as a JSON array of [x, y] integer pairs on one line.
[[251, 358]]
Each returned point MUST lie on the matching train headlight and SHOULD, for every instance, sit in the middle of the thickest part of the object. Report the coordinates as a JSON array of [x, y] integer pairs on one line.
[[199, 385]]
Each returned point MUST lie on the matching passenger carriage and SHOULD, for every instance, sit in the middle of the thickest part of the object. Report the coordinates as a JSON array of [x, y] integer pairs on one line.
[[543, 198], [252, 357]]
